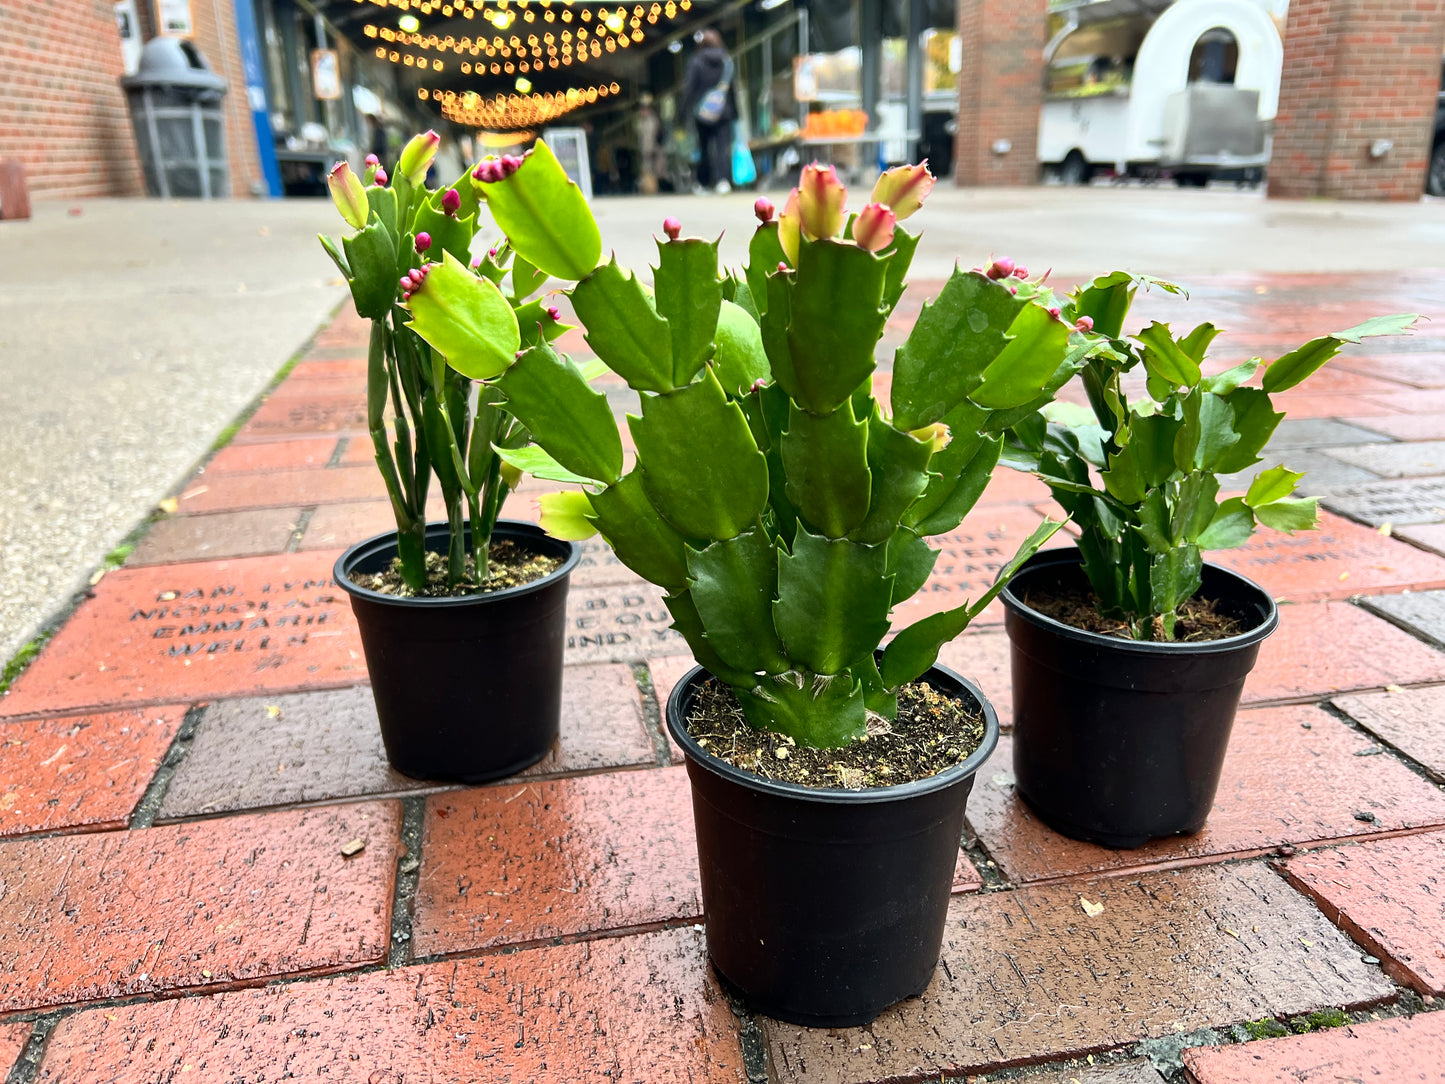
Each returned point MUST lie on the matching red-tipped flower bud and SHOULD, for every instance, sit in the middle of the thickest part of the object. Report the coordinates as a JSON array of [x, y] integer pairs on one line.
[[451, 200], [373, 160], [417, 156], [904, 188], [764, 209], [554, 312], [349, 195], [1021, 272], [821, 196], [873, 228], [476, 263], [782, 267], [1054, 311], [1001, 268], [381, 177], [1085, 323], [423, 241], [510, 164], [672, 227]]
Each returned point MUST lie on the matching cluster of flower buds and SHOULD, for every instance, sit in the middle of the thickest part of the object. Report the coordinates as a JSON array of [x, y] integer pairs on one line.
[[1004, 268], [417, 157], [412, 281], [497, 169], [815, 209], [373, 167], [554, 312], [451, 201]]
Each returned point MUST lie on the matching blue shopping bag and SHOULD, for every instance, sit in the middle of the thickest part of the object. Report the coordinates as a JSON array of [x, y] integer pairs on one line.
[[744, 171]]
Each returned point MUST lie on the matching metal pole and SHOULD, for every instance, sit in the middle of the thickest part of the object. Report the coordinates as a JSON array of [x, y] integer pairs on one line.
[[203, 160], [162, 181], [915, 75], [871, 71], [803, 42]]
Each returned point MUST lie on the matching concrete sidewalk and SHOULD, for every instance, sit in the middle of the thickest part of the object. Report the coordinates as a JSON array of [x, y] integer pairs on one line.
[[132, 333]]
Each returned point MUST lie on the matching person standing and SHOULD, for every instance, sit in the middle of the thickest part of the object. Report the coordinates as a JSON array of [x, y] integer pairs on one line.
[[709, 100]]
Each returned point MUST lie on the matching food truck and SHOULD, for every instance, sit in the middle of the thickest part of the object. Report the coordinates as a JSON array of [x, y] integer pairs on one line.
[[1140, 87]]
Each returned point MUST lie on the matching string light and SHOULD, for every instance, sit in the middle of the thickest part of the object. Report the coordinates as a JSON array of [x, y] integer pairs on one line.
[[513, 111]]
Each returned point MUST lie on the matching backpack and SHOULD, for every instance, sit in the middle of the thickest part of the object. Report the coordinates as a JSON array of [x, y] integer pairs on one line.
[[714, 103]]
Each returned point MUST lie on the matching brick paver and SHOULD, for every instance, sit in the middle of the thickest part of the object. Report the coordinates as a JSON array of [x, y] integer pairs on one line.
[[281, 489], [1294, 775], [1407, 1051], [1027, 975], [197, 631], [1322, 648], [278, 455], [1390, 896], [1131, 1072], [214, 903], [221, 534], [80, 771], [13, 1038], [526, 861], [1412, 720], [1405, 426], [304, 747], [291, 418], [640, 1009]]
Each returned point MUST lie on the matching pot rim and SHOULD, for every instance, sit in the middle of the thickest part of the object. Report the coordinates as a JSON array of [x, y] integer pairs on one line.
[[387, 539], [1017, 608], [834, 795]]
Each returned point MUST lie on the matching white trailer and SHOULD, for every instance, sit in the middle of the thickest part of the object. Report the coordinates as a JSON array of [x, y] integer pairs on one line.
[[1140, 86]]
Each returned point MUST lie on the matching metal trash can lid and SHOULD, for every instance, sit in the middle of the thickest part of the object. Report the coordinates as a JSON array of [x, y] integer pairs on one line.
[[173, 62]]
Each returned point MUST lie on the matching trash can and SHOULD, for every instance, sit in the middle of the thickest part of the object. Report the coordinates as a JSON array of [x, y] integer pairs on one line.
[[175, 105]]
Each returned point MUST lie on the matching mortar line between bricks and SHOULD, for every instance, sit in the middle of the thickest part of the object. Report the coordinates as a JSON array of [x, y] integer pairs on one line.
[[652, 710], [611, 933], [27, 1063], [408, 874], [303, 521], [1362, 601], [339, 452], [144, 814], [1330, 708]]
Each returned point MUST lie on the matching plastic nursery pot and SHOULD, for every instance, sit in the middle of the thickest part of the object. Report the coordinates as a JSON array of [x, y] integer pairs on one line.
[[825, 906], [1122, 741], [466, 689]]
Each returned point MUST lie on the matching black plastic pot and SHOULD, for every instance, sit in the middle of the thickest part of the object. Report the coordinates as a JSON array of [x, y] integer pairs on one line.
[[1122, 741], [825, 906], [467, 689]]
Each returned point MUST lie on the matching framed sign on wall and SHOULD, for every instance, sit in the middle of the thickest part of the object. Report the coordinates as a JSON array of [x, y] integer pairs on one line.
[[174, 17]]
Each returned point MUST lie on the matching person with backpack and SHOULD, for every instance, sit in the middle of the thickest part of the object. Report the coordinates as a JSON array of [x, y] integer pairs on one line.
[[708, 99]]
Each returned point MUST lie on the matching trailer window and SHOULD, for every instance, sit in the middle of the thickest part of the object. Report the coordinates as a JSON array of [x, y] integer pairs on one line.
[[1215, 56]]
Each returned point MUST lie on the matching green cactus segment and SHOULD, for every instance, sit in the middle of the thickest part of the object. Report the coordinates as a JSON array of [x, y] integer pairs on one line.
[[1207, 433], [448, 232], [910, 563], [534, 461], [916, 648], [550, 396], [819, 711], [1169, 360], [898, 463], [774, 329], [825, 460], [688, 296], [833, 601], [765, 252], [466, 319], [536, 325], [1032, 356], [1106, 301], [733, 584], [900, 251], [640, 537], [1299, 364], [830, 346], [624, 328], [956, 338], [1255, 420], [382, 202], [688, 624], [371, 256], [545, 216], [700, 465], [951, 495], [740, 358]]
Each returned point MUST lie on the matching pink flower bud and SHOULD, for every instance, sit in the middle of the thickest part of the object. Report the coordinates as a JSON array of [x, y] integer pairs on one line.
[[764, 209], [782, 267], [1054, 311], [510, 164], [1001, 268], [417, 156], [451, 200], [759, 384], [492, 252], [373, 160], [349, 195], [554, 312], [423, 241], [1085, 323], [1021, 272], [405, 282], [381, 177], [672, 227], [476, 263], [821, 196], [904, 188], [873, 228]]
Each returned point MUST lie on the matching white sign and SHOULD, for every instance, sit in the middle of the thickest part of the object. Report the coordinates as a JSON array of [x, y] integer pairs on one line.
[[175, 17], [130, 43]]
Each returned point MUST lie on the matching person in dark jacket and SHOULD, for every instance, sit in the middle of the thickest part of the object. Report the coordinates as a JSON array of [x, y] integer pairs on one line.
[[708, 68]]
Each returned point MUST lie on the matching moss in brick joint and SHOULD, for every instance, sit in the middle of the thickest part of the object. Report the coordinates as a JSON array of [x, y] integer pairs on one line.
[[1298, 1025]]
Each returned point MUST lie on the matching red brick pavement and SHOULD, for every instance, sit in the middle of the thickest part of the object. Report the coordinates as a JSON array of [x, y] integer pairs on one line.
[[153, 864]]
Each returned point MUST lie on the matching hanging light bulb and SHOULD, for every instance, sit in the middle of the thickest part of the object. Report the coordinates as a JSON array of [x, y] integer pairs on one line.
[[524, 85]]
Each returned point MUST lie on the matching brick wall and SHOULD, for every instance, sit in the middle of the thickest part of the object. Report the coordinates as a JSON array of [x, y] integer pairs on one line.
[[62, 112], [1356, 71], [1000, 90]]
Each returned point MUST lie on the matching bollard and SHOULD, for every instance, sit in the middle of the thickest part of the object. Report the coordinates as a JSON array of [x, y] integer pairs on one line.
[[14, 198]]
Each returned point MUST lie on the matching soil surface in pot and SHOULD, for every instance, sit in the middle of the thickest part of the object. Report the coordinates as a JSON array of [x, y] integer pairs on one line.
[[932, 733], [1078, 607], [509, 565]]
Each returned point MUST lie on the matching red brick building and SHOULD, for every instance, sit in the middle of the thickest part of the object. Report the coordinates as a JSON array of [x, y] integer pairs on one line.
[[1000, 90]]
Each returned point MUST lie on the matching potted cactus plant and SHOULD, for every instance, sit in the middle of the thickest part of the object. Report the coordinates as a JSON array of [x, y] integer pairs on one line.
[[1129, 653], [784, 509], [462, 621]]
